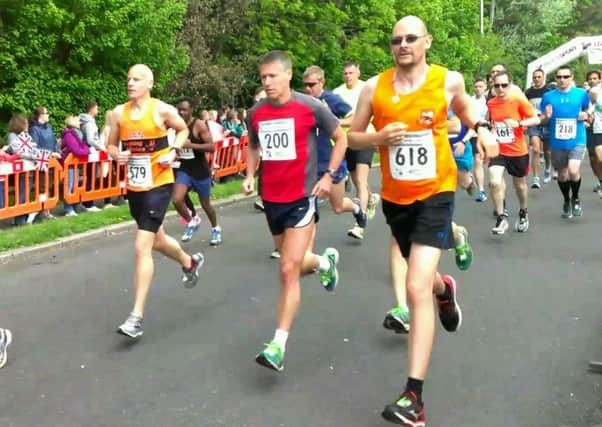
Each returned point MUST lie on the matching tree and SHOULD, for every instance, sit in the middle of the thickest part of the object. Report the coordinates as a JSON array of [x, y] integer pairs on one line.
[[60, 53]]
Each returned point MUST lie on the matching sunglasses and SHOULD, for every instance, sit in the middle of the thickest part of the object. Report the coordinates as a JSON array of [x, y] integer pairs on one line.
[[563, 76], [309, 84], [499, 85], [409, 38]]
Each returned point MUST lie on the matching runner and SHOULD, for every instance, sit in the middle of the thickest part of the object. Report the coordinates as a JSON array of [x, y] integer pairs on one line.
[[536, 133], [284, 125], [313, 82], [508, 115], [480, 105], [408, 106], [358, 161], [593, 129], [565, 109], [6, 337], [194, 173], [141, 124]]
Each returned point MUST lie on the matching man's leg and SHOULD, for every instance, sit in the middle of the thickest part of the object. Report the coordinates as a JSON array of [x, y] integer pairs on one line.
[[479, 177], [179, 199], [340, 204], [209, 210], [596, 164], [497, 186], [398, 318], [536, 147], [574, 173], [362, 171], [522, 192]]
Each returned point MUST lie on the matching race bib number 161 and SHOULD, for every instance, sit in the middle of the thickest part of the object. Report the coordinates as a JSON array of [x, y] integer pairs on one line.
[[277, 139]]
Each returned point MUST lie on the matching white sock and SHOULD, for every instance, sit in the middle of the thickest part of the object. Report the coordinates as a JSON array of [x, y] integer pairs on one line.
[[356, 208], [280, 338], [324, 263], [217, 227]]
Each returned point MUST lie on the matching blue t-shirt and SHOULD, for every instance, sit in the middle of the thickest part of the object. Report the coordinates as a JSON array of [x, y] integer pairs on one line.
[[565, 130], [341, 110]]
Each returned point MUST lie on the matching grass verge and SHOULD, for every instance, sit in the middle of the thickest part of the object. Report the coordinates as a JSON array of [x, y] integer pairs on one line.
[[50, 230]]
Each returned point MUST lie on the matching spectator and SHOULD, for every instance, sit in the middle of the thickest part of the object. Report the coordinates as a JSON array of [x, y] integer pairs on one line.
[[21, 143], [72, 143], [104, 137], [213, 116], [232, 126], [43, 135], [204, 116], [5, 157], [89, 131], [216, 129]]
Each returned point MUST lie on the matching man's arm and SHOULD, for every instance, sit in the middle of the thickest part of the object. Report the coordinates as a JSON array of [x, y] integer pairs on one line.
[[172, 120], [201, 130], [113, 138]]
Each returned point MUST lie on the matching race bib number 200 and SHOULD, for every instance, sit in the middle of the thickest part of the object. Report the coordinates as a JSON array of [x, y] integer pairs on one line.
[[277, 139], [139, 172], [415, 158]]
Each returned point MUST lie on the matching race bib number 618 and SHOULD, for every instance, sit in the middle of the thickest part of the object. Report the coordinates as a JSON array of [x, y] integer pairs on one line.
[[415, 158]]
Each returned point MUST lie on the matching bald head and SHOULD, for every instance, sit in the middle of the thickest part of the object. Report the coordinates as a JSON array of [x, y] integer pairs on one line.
[[410, 25], [140, 81]]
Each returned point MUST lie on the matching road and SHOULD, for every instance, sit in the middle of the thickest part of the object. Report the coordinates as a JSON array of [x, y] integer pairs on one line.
[[532, 319]]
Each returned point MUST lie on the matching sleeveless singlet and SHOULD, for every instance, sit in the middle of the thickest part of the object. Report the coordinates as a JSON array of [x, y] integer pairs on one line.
[[194, 162]]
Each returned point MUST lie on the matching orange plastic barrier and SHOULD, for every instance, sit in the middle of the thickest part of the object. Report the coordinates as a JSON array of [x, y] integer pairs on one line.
[[226, 158], [26, 179], [95, 177]]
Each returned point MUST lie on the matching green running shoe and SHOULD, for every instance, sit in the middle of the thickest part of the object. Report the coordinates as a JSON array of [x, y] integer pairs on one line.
[[398, 320], [463, 251], [271, 357], [330, 278], [372, 204]]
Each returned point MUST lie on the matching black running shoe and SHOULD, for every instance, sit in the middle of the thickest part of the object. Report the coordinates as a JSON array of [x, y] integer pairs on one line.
[[450, 313], [406, 411]]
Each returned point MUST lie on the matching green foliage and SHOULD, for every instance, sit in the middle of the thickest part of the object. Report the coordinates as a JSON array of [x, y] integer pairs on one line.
[[60, 53]]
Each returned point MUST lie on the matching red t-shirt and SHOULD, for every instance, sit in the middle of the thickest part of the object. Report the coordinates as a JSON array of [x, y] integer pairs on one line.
[[512, 141]]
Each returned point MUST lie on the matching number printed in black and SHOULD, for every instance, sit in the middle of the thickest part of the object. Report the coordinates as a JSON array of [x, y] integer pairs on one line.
[[421, 158], [138, 172], [276, 140]]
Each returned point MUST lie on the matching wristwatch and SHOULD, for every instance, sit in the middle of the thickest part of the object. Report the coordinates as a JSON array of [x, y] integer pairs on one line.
[[332, 172], [481, 124]]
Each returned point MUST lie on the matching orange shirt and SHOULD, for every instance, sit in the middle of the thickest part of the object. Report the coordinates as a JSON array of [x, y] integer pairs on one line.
[[147, 142], [423, 165], [512, 141]]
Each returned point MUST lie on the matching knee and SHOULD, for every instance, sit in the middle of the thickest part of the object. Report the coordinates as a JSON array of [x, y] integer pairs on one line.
[[419, 293], [289, 272], [494, 185], [142, 249], [337, 207]]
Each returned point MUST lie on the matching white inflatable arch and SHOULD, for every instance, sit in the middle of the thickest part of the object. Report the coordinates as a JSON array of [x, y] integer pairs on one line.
[[590, 46]]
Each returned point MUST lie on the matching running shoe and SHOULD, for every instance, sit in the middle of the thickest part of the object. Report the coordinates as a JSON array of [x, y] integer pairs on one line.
[[463, 250], [259, 205], [360, 217], [536, 183], [6, 337], [501, 225], [597, 187], [547, 176], [275, 254], [398, 320], [216, 236], [330, 278], [555, 175], [450, 313], [271, 357], [190, 276], [356, 232], [566, 210], [481, 197], [599, 193], [372, 204], [191, 228], [132, 327], [406, 411], [577, 209], [522, 223]]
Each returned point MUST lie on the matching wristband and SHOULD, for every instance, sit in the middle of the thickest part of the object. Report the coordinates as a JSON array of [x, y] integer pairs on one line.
[[480, 124]]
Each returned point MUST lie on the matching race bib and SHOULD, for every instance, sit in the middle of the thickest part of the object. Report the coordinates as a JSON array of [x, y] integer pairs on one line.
[[505, 134], [277, 139], [415, 158], [566, 128], [139, 172], [186, 154]]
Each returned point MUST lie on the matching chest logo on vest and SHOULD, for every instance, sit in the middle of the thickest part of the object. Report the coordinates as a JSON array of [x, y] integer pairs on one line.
[[427, 117], [137, 134]]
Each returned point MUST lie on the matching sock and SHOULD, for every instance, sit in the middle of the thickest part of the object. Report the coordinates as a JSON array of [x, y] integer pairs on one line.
[[565, 187], [446, 295], [415, 385], [575, 188], [324, 263], [280, 338], [356, 208], [217, 227]]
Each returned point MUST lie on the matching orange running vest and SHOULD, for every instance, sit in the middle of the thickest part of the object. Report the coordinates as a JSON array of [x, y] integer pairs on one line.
[[147, 142], [423, 165]]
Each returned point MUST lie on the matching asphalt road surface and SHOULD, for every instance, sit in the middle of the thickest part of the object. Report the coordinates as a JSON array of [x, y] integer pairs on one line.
[[532, 320]]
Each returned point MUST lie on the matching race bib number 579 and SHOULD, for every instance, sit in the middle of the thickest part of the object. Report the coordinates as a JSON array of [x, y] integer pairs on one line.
[[277, 139], [415, 158], [139, 172]]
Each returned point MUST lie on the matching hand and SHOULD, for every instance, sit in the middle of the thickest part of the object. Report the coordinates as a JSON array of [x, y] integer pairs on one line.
[[487, 144], [56, 155], [459, 149], [167, 159], [248, 185], [123, 157], [393, 133], [511, 123], [322, 188], [583, 116]]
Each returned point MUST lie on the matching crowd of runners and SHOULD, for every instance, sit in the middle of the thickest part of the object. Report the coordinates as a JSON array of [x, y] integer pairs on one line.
[[431, 137]]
